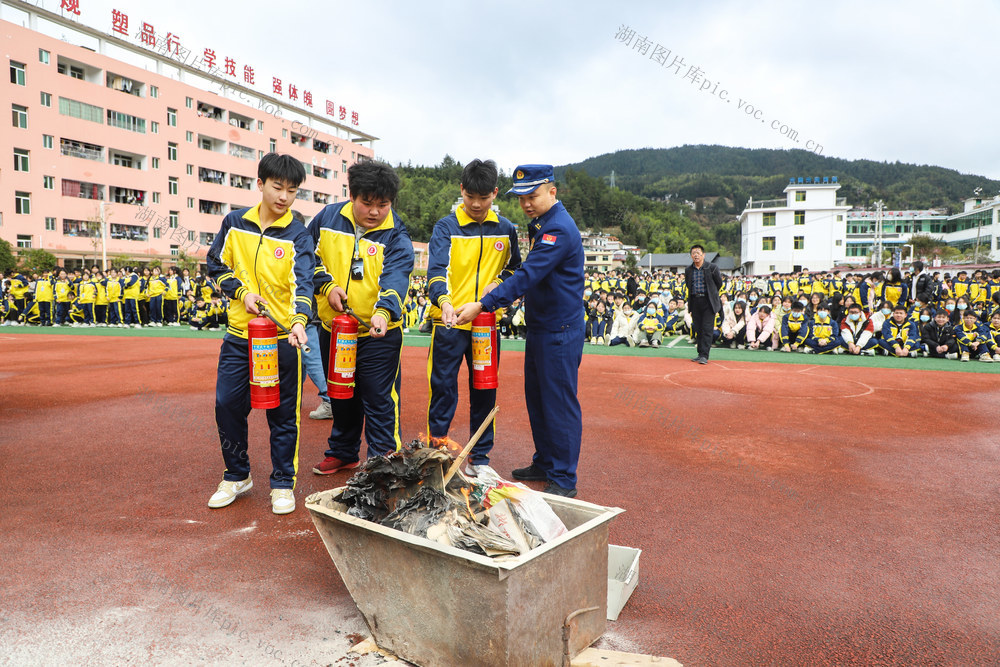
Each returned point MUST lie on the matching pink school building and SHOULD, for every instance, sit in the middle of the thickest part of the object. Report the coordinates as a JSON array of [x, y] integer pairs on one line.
[[132, 142]]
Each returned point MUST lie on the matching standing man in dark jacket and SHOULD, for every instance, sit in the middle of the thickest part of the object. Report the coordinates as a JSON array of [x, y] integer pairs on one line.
[[703, 282]]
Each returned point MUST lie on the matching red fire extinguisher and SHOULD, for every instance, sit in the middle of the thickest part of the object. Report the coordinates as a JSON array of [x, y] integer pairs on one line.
[[343, 357], [485, 355], [262, 336]]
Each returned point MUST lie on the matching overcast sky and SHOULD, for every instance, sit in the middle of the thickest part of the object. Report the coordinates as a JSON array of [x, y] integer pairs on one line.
[[911, 81]]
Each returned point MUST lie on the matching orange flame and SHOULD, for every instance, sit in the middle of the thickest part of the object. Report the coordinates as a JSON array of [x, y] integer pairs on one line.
[[443, 443], [465, 493]]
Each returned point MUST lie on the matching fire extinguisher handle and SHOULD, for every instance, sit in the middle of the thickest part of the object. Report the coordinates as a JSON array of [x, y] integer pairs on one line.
[[268, 315], [361, 320]]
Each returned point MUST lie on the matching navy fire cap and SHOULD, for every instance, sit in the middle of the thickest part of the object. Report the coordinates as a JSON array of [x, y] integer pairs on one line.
[[528, 177]]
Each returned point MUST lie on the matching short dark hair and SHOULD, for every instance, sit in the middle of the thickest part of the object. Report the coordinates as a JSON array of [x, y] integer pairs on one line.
[[899, 306], [918, 266], [854, 306], [797, 305], [373, 179], [282, 168], [480, 177], [698, 246]]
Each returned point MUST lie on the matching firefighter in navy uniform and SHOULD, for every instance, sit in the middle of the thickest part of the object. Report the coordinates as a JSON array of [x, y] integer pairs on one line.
[[471, 251], [551, 279], [364, 258], [262, 254]]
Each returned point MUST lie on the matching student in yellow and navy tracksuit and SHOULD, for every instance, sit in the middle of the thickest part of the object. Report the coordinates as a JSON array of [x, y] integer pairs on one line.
[[171, 313], [824, 334], [155, 288], [64, 298], [971, 338], [132, 287], [262, 254], [364, 257], [101, 302], [19, 286], [992, 335], [44, 298], [88, 297], [470, 252], [551, 280], [113, 289], [900, 336], [795, 329]]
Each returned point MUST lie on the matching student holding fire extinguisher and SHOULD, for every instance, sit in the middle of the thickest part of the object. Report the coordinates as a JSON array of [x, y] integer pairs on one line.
[[262, 254], [551, 280], [470, 252], [364, 258]]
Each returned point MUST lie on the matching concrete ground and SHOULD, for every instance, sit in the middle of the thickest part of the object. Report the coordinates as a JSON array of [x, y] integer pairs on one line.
[[788, 514]]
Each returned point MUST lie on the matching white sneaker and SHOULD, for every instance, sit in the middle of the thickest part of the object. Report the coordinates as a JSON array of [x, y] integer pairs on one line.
[[986, 359], [282, 501], [323, 411], [951, 355], [482, 472], [227, 492]]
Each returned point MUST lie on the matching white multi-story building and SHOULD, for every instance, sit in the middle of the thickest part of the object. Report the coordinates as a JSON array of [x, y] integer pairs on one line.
[[811, 228], [803, 230]]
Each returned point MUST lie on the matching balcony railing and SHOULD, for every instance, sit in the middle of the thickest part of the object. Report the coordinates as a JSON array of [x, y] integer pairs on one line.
[[768, 203]]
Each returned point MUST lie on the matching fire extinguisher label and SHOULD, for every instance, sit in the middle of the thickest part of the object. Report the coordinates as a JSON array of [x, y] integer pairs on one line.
[[265, 362], [347, 354], [482, 348]]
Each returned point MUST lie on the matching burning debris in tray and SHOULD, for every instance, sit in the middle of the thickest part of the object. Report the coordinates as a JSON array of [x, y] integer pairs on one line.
[[416, 490]]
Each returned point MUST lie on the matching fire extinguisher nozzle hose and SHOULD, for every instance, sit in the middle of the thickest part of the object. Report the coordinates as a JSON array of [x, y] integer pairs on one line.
[[263, 311]]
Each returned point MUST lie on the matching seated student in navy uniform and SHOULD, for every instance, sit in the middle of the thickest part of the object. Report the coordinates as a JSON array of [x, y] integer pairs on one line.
[[364, 258], [551, 278], [824, 334], [794, 329], [938, 337], [971, 338], [992, 335], [900, 336], [471, 252], [263, 255]]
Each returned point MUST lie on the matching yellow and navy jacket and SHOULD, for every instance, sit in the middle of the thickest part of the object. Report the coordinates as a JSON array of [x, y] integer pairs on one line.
[[64, 291], [102, 292], [132, 286], [173, 287], [88, 291], [157, 285], [905, 334], [465, 256], [44, 289], [825, 328], [794, 331], [650, 322], [113, 288], [19, 286], [967, 337], [386, 255], [894, 293], [277, 263]]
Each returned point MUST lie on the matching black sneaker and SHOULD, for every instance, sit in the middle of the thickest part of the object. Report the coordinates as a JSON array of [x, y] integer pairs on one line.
[[530, 474], [557, 490]]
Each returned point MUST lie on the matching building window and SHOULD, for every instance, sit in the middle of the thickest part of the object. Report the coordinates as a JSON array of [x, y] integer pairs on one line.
[[156, 232], [800, 217], [190, 170], [273, 146], [43, 56], [24, 240], [20, 116], [154, 127], [82, 110], [190, 235], [172, 117], [22, 203], [156, 197], [171, 150], [17, 73], [189, 135], [173, 251], [50, 224], [46, 99], [20, 159], [190, 202], [769, 218], [154, 91], [172, 186], [156, 163], [46, 141], [284, 133], [260, 155], [188, 102], [343, 190], [840, 218], [126, 122], [800, 195], [839, 242], [173, 219], [48, 182], [768, 243], [260, 126], [800, 242], [343, 168]]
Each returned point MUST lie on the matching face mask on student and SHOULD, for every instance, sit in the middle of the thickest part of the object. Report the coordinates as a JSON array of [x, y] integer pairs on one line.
[[925, 318], [823, 314], [950, 307], [651, 311], [887, 311], [854, 317], [795, 316], [962, 306], [587, 292]]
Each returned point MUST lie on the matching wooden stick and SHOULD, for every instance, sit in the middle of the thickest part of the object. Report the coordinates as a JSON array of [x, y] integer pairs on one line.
[[468, 448]]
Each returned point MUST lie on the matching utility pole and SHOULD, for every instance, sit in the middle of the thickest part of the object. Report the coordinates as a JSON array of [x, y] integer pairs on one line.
[[878, 233], [104, 239]]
